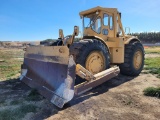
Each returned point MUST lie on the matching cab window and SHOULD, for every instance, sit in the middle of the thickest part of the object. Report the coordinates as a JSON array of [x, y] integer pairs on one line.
[[106, 19], [96, 25], [110, 22]]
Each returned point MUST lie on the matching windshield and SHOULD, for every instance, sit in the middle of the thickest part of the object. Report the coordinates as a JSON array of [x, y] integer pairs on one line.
[[89, 20], [92, 21]]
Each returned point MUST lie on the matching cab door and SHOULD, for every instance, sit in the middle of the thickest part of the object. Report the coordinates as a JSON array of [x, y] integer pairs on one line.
[[107, 25]]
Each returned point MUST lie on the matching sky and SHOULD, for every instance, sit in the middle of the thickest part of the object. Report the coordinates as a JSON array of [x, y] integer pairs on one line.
[[28, 20]]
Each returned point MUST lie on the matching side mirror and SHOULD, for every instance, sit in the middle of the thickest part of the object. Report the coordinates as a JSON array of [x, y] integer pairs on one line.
[[61, 34], [76, 30]]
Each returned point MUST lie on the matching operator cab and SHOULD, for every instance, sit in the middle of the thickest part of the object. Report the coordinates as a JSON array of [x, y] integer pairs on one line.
[[100, 22]]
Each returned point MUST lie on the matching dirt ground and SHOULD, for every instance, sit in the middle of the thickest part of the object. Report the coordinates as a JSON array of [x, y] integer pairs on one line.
[[120, 98]]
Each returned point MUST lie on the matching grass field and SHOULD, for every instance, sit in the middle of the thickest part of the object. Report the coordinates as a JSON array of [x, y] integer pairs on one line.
[[10, 62], [153, 65], [149, 50]]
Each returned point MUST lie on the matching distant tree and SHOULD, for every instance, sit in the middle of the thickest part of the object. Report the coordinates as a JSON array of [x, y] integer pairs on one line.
[[145, 37], [148, 37]]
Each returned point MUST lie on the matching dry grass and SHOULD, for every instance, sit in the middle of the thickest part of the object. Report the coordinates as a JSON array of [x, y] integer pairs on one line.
[[149, 50], [10, 62]]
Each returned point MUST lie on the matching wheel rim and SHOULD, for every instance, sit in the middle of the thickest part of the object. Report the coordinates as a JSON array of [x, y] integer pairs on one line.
[[95, 62], [137, 60]]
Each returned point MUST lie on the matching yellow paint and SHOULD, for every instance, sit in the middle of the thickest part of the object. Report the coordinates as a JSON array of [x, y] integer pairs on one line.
[[137, 62], [115, 39], [95, 62]]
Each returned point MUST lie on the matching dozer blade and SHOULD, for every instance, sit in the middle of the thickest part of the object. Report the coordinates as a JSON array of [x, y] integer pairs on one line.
[[51, 71]]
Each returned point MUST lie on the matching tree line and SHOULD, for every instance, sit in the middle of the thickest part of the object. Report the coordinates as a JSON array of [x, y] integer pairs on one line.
[[145, 37], [148, 37]]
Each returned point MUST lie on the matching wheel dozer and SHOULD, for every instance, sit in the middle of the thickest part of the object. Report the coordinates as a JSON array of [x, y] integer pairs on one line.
[[64, 68]]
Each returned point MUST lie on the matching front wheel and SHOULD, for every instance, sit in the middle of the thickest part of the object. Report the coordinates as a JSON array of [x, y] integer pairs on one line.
[[92, 55], [133, 59]]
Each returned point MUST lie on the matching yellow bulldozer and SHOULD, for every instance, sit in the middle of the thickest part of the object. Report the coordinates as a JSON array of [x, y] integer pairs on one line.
[[63, 69]]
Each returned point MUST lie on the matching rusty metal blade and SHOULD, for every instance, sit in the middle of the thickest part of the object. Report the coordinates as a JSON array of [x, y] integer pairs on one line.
[[51, 71]]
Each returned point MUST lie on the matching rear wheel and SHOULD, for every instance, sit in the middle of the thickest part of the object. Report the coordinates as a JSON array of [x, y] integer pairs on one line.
[[134, 59], [91, 54]]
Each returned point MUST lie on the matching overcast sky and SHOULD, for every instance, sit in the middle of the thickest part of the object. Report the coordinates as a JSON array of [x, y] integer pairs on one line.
[[23, 20]]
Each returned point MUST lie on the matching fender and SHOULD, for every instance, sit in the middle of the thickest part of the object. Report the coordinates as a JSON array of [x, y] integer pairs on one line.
[[96, 37], [132, 39]]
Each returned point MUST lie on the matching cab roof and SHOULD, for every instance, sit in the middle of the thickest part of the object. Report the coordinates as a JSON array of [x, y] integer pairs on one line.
[[98, 8]]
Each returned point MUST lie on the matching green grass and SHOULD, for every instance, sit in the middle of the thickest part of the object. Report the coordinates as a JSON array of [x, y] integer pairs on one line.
[[17, 113], [2, 102], [34, 96], [15, 102], [153, 65], [12, 73], [152, 91], [27, 108]]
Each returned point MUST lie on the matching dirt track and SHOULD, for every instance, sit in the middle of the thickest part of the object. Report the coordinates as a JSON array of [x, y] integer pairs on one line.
[[119, 98]]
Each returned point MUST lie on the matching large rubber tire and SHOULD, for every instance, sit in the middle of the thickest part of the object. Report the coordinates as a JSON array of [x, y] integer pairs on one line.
[[128, 67], [82, 49]]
